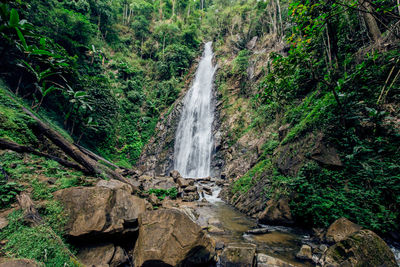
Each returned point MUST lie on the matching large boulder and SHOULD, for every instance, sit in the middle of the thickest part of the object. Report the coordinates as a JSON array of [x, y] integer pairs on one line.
[[7, 262], [158, 182], [108, 208], [102, 255], [340, 230], [276, 213], [169, 238], [363, 248], [238, 255]]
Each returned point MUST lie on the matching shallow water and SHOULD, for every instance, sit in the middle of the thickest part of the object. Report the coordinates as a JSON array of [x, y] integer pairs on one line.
[[280, 242]]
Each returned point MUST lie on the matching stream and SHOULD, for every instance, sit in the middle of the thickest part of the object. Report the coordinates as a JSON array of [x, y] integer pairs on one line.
[[280, 242], [192, 158]]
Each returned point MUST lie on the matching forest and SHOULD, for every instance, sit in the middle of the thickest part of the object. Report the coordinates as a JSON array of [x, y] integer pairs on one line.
[[307, 96]]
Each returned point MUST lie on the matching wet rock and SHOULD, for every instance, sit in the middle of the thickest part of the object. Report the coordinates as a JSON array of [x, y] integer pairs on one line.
[[190, 197], [305, 253], [212, 229], [7, 262], [340, 230], [100, 210], [207, 189], [170, 237], [214, 221], [219, 182], [268, 261], [183, 183], [175, 175], [240, 255], [191, 188], [362, 248], [276, 213], [258, 231], [97, 255], [325, 154]]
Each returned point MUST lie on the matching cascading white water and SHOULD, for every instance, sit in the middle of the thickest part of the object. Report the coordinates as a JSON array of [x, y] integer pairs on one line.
[[194, 140]]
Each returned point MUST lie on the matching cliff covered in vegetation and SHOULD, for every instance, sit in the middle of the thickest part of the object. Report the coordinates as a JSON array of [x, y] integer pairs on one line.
[[307, 125]]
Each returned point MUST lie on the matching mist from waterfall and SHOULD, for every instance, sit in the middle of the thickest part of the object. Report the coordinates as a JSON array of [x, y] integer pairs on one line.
[[194, 140]]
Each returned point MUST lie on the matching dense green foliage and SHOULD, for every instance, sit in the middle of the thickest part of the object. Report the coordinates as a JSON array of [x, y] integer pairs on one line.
[[40, 243], [162, 193], [320, 82], [105, 70]]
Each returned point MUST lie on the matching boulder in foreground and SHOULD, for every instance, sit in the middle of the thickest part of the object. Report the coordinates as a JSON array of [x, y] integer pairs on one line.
[[340, 230], [363, 248], [169, 238], [108, 208]]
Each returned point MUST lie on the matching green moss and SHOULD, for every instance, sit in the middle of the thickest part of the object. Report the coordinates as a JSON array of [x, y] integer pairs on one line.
[[317, 116], [40, 243], [244, 183]]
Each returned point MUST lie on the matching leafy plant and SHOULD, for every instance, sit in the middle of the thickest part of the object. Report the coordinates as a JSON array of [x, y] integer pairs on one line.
[[8, 193], [162, 193]]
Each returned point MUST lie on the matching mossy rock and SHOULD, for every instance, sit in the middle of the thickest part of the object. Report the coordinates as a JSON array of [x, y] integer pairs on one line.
[[363, 248]]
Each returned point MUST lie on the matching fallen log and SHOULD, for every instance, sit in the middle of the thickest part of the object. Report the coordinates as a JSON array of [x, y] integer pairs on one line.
[[64, 144], [5, 144], [97, 157], [73, 151]]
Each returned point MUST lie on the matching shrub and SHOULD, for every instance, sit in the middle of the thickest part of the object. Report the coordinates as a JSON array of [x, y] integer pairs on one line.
[[8, 193], [162, 193]]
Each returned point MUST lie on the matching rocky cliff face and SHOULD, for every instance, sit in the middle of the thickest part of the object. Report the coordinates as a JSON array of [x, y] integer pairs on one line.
[[158, 155]]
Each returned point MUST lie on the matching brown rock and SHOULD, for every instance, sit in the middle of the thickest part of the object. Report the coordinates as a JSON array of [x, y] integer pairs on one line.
[[305, 253], [190, 197], [325, 154], [340, 230], [268, 261], [158, 182], [182, 182], [170, 237], [153, 199], [363, 248], [276, 213], [98, 255], [191, 188], [6, 262], [175, 175], [99, 210], [119, 257], [114, 185], [240, 255]]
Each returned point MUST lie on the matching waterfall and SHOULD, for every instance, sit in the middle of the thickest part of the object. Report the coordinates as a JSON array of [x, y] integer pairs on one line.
[[194, 140]]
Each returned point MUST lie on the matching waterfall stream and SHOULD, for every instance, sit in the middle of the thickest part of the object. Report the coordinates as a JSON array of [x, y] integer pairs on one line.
[[194, 141]]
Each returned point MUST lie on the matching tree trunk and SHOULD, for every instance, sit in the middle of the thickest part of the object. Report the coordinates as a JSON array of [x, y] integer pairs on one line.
[[66, 146], [370, 20], [4, 144]]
